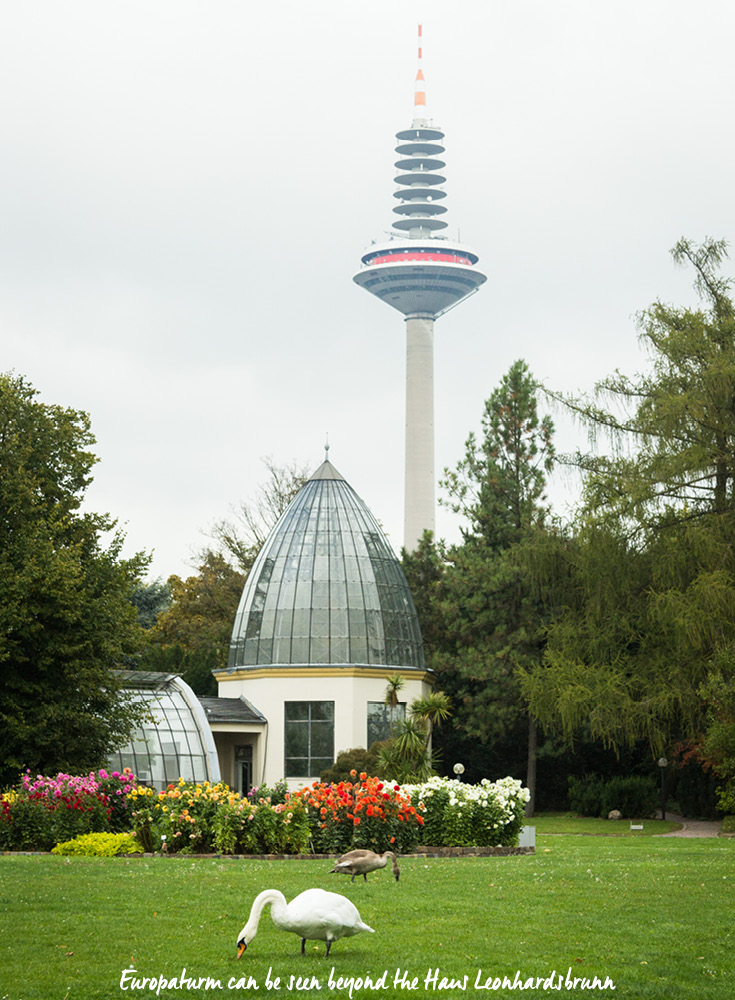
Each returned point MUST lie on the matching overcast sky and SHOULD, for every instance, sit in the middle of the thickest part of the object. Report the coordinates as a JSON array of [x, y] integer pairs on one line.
[[187, 188]]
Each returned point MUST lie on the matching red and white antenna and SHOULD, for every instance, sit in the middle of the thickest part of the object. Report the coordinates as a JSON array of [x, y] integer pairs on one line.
[[419, 99]]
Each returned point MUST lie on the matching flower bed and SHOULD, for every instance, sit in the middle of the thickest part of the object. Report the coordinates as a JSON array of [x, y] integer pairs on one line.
[[456, 814], [365, 812], [42, 811], [203, 818]]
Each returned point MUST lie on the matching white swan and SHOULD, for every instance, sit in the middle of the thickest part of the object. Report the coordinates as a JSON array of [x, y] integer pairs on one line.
[[361, 862], [313, 915]]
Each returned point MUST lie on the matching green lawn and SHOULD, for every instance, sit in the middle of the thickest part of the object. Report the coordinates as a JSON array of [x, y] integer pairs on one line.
[[559, 822], [655, 916]]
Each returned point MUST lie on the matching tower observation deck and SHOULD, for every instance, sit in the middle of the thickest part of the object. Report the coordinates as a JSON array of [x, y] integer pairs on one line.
[[421, 273]]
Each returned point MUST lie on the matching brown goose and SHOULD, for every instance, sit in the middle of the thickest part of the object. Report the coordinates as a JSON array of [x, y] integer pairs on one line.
[[362, 862]]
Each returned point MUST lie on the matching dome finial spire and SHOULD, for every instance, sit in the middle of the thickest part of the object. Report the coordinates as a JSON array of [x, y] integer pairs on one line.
[[326, 448]]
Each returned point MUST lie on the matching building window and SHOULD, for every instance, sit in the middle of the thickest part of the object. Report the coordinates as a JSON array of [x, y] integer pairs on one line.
[[309, 740], [381, 719]]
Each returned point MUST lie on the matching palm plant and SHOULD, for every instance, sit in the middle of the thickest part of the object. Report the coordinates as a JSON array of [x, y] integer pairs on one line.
[[406, 758], [432, 710], [392, 699]]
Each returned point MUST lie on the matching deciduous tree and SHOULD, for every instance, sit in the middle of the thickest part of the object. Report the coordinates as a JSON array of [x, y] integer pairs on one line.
[[66, 616], [192, 636], [241, 537]]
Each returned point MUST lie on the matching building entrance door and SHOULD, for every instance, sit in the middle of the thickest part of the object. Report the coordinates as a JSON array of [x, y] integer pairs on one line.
[[244, 768]]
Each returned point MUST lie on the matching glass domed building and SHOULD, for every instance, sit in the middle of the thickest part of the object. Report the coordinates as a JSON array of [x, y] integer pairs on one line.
[[326, 617]]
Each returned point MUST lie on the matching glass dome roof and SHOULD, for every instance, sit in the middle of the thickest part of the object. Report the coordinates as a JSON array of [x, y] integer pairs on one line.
[[326, 588]]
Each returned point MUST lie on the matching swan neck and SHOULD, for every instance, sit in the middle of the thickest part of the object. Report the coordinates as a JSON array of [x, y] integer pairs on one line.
[[277, 902]]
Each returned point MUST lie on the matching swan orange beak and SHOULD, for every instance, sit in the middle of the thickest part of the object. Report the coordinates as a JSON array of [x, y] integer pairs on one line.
[[240, 949]]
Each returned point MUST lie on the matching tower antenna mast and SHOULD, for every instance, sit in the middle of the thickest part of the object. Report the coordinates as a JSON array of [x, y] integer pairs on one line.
[[422, 274]]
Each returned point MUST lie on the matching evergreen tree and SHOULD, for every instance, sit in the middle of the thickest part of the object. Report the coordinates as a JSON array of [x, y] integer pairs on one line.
[[424, 569], [491, 618]]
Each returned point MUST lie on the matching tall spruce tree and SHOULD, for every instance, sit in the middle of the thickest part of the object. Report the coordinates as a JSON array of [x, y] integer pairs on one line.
[[492, 620]]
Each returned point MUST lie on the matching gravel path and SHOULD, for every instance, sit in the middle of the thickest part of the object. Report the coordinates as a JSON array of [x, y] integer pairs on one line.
[[692, 827]]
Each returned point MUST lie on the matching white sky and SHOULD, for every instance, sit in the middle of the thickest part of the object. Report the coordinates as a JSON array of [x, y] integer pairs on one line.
[[186, 188]]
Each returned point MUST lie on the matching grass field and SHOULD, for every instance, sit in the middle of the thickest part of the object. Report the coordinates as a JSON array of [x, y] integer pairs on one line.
[[551, 822], [655, 916]]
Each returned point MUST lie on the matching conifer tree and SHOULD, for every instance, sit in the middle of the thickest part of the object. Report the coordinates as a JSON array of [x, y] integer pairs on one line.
[[492, 621], [654, 554]]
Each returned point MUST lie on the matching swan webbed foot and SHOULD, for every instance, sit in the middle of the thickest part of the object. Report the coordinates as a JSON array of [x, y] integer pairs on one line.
[[303, 945]]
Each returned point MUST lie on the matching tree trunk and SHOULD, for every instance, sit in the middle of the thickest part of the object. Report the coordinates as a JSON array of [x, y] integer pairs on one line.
[[531, 767]]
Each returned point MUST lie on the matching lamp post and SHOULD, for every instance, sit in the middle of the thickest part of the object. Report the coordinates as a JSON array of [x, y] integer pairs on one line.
[[663, 764], [458, 770]]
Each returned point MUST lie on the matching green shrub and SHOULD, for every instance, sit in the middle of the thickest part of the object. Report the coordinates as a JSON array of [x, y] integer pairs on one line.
[[635, 796], [100, 845], [357, 759], [276, 795], [27, 825]]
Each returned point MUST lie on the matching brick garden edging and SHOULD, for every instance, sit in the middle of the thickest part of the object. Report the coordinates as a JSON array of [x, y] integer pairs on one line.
[[474, 852], [420, 852]]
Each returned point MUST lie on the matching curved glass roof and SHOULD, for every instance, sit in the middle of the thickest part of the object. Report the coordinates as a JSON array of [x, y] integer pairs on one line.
[[176, 742], [326, 588]]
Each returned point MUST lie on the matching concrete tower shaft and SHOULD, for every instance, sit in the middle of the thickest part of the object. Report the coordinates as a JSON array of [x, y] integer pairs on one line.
[[422, 274]]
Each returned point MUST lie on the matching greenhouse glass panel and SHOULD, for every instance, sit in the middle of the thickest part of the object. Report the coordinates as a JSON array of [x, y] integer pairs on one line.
[[177, 743], [326, 572]]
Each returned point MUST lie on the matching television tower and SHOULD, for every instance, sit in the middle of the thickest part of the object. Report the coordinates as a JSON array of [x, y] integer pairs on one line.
[[421, 274]]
